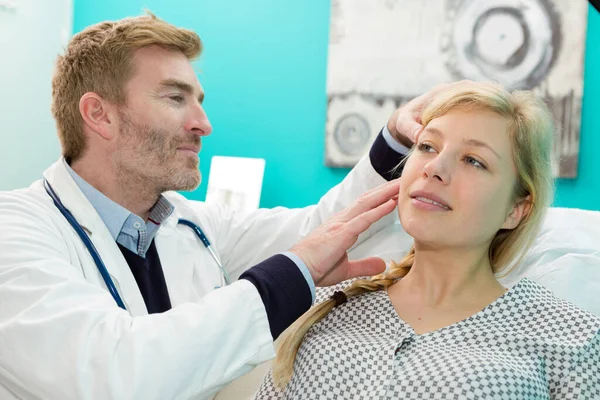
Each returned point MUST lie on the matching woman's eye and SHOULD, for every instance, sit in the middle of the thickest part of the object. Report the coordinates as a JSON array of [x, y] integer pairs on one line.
[[425, 148], [475, 163]]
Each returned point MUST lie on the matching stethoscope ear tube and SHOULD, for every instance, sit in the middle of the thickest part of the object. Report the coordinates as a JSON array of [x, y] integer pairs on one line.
[[200, 234], [88, 244]]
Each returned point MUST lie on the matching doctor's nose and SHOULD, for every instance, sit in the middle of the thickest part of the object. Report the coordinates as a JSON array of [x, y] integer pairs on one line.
[[197, 122]]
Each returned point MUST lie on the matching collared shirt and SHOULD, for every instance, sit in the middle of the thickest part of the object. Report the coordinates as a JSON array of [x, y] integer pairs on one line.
[[126, 228]]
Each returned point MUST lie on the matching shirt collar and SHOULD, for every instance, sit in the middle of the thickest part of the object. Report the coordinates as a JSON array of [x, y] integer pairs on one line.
[[114, 215]]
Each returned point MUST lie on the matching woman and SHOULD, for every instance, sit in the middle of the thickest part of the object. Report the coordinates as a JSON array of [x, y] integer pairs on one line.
[[438, 324]]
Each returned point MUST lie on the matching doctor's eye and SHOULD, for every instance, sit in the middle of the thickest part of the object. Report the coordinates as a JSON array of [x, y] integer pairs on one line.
[[177, 98]]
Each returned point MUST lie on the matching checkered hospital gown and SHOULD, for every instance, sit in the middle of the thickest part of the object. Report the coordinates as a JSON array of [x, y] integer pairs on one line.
[[528, 344]]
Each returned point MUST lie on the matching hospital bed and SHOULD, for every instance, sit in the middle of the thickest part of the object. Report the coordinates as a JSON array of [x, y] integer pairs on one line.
[[565, 258]]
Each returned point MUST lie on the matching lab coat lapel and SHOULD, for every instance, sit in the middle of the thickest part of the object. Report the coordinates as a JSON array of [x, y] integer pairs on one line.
[[176, 258], [85, 214]]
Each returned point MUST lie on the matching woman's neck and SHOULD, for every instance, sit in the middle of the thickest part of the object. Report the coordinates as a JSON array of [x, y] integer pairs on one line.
[[450, 276], [444, 287]]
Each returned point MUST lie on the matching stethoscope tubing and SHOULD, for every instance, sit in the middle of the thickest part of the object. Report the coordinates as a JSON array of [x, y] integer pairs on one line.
[[96, 255]]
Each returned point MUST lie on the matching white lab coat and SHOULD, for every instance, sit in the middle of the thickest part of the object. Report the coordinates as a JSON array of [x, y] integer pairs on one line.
[[63, 337]]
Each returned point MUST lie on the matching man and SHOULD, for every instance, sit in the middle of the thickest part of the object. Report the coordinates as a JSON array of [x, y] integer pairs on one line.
[[150, 323]]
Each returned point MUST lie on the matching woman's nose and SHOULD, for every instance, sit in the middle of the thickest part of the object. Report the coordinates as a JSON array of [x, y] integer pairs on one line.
[[439, 169]]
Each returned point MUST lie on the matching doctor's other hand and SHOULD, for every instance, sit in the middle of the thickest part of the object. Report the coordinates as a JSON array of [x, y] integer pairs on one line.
[[324, 250], [405, 123]]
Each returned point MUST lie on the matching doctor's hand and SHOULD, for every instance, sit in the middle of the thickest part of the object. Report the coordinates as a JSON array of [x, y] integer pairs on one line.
[[405, 123], [324, 250]]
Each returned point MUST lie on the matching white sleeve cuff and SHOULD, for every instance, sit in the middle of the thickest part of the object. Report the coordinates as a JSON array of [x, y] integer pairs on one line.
[[393, 143], [305, 272]]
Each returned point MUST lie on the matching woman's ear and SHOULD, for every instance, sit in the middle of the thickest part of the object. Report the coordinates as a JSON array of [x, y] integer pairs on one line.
[[518, 212]]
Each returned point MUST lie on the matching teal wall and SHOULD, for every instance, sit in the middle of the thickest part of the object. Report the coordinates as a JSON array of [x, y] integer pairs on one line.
[[263, 70], [32, 33]]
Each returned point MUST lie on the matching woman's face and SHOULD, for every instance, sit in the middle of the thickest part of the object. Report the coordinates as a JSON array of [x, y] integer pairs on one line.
[[457, 187]]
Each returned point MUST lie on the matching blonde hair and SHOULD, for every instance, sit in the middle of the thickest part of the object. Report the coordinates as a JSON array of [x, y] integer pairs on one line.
[[531, 130], [99, 60]]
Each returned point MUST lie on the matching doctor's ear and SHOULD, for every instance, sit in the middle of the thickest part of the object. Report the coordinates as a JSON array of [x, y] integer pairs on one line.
[[519, 211], [98, 114]]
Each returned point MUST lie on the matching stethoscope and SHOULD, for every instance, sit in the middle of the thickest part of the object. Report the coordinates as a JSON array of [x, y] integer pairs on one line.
[[98, 260]]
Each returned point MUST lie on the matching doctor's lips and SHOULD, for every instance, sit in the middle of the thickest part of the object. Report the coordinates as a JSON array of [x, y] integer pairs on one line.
[[190, 147], [430, 198]]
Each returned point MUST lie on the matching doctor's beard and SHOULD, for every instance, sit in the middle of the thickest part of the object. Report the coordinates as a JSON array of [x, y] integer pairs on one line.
[[149, 156]]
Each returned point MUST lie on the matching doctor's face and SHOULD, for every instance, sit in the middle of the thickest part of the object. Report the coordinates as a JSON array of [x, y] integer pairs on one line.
[[457, 186], [161, 126]]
